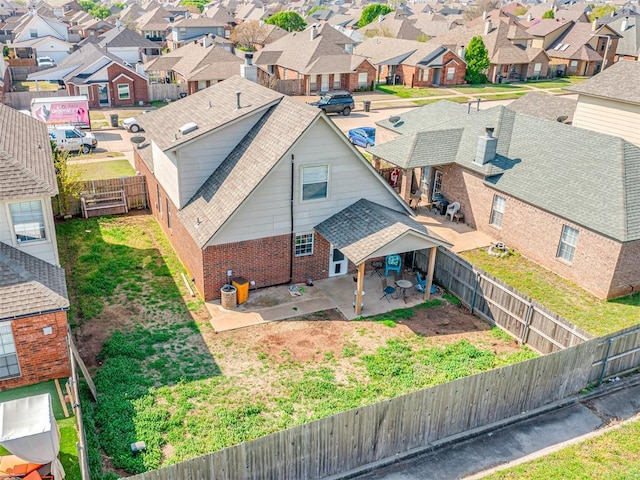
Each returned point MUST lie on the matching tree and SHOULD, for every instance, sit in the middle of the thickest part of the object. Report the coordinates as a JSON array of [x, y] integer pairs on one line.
[[199, 4], [100, 12], [477, 58], [520, 11], [316, 8], [372, 12], [382, 31], [423, 37], [249, 34], [601, 11], [69, 185], [86, 5], [289, 21], [548, 14]]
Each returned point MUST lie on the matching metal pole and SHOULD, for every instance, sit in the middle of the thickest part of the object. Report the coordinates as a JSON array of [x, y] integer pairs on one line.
[[475, 291], [527, 322], [606, 359]]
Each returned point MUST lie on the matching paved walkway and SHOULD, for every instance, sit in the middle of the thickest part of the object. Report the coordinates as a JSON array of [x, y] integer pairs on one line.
[[517, 440]]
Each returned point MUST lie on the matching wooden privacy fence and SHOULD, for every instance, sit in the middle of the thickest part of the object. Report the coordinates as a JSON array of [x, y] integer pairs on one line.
[[22, 100], [359, 437], [164, 91], [134, 188], [502, 305]]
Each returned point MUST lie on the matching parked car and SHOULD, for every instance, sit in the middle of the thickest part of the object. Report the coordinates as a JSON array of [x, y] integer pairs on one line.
[[363, 136], [46, 62], [336, 102], [132, 125], [72, 139]]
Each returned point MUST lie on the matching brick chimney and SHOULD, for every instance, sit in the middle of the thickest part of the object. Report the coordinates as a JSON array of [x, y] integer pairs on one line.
[[487, 146]]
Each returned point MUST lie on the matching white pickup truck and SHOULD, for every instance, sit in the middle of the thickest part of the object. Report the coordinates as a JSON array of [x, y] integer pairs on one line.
[[72, 139]]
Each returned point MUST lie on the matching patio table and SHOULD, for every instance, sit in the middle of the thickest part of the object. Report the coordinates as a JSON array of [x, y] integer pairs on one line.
[[404, 285]]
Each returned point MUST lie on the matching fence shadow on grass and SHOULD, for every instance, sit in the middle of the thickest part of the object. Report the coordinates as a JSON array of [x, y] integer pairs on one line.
[[136, 333]]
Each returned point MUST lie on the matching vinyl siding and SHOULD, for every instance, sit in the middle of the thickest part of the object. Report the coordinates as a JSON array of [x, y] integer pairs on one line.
[[197, 161], [608, 116], [128, 54], [166, 172], [266, 212], [44, 250]]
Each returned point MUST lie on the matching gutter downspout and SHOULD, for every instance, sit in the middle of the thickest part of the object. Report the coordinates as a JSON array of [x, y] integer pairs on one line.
[[292, 240]]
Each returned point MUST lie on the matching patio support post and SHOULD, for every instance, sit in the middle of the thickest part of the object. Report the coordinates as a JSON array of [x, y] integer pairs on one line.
[[359, 288], [405, 186], [432, 267]]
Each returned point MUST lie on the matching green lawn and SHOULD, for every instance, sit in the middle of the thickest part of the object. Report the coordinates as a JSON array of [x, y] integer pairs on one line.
[[43, 86], [567, 299], [427, 101], [408, 92], [614, 455], [103, 170], [169, 380], [503, 96], [67, 426], [557, 83], [487, 88]]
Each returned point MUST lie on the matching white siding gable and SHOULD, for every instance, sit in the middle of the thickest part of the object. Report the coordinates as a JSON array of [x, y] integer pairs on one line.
[[608, 116], [43, 249], [128, 54], [266, 212], [199, 159], [166, 172], [55, 29]]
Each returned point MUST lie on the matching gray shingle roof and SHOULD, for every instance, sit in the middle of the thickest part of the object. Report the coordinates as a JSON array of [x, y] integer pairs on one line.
[[29, 285], [621, 81], [365, 227], [543, 105], [246, 166], [423, 118], [629, 44], [549, 165], [162, 125], [26, 163], [123, 37]]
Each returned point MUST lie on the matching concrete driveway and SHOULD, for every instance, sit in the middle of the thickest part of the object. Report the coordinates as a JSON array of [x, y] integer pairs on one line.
[[114, 140]]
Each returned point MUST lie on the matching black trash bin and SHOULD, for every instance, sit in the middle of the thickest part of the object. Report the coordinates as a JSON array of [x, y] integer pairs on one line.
[[388, 80], [443, 207], [367, 105], [114, 119]]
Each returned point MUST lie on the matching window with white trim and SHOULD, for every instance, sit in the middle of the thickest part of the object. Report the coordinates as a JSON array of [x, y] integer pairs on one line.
[[8, 358], [568, 243], [497, 211], [336, 81], [362, 80], [28, 221], [451, 73], [537, 68], [313, 82], [315, 182], [304, 244], [437, 182], [159, 198], [123, 91]]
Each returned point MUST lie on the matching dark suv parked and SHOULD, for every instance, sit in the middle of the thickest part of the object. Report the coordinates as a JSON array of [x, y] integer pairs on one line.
[[336, 102]]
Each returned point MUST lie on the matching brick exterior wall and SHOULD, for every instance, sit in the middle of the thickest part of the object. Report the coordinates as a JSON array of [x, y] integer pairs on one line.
[[94, 101], [351, 82], [41, 357], [536, 233], [410, 76], [138, 88]]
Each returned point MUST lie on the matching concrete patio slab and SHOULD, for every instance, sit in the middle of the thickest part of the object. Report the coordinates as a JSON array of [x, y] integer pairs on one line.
[[460, 235]]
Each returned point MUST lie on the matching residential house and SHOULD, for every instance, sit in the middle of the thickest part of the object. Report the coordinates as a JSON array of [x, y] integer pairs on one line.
[[537, 196], [394, 27], [5, 80], [510, 54], [252, 11], [558, 108], [321, 59], [244, 179], [610, 102], [576, 48], [190, 29], [220, 13], [38, 36], [199, 64], [417, 64], [104, 78], [155, 25], [431, 24], [92, 27], [128, 45], [629, 44], [33, 295]]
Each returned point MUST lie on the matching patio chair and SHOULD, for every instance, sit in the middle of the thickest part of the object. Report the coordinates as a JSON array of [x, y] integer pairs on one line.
[[421, 283], [392, 263], [452, 209], [387, 290]]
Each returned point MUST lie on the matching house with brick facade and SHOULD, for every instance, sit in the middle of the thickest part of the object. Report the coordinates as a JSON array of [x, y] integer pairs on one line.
[[33, 295], [244, 179], [319, 59], [106, 80], [416, 64], [566, 197]]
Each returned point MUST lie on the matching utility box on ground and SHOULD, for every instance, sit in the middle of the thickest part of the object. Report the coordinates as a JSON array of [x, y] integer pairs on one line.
[[242, 286]]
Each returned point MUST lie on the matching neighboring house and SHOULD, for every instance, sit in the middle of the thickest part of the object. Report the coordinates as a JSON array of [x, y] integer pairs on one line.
[[199, 64], [629, 44], [37, 36], [576, 48], [219, 13], [35, 26], [105, 79], [35, 48], [431, 24], [391, 26], [251, 11], [154, 25], [418, 64], [245, 179], [508, 44], [5, 80], [189, 29], [33, 295], [320, 58], [91, 28], [557, 108], [128, 45], [610, 102], [538, 196]]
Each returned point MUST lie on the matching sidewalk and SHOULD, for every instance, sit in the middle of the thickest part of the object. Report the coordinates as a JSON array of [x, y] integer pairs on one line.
[[516, 440]]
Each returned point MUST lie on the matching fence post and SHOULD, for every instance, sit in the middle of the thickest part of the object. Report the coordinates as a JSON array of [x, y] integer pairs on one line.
[[527, 322], [475, 291], [605, 361]]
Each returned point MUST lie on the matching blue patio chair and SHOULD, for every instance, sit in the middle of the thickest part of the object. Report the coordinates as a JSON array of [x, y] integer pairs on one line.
[[421, 284], [387, 290], [392, 263]]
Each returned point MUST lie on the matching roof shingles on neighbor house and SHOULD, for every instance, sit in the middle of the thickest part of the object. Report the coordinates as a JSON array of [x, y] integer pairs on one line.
[[618, 82]]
